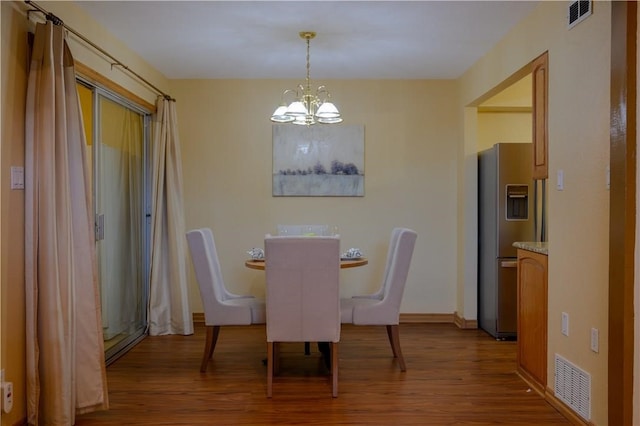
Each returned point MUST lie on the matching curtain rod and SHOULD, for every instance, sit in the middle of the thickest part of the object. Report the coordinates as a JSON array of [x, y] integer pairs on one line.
[[57, 21]]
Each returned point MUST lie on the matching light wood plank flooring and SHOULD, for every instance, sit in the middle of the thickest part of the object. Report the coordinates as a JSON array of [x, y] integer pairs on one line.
[[454, 377]]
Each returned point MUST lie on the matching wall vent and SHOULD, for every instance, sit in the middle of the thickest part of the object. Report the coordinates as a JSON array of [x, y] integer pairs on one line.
[[579, 11], [573, 387]]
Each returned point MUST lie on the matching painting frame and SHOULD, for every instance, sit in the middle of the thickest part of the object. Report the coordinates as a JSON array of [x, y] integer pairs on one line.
[[318, 161]]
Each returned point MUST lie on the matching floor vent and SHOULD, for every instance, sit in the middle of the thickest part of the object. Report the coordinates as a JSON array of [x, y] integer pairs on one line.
[[579, 11], [573, 387]]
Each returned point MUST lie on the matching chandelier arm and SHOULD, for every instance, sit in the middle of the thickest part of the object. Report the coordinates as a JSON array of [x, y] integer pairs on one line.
[[323, 94]]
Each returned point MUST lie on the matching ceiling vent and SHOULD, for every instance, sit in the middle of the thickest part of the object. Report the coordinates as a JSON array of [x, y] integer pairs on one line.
[[579, 11]]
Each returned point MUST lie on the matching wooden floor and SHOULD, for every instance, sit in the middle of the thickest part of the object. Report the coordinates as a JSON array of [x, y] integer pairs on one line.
[[453, 377]]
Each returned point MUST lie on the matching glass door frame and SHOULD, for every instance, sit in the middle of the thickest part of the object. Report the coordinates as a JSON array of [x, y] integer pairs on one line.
[[120, 348]]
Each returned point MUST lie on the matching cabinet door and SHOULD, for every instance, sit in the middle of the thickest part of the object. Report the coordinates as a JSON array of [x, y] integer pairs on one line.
[[540, 78], [532, 315]]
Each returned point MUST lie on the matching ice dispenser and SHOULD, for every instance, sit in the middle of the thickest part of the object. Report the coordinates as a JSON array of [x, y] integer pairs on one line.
[[517, 202]]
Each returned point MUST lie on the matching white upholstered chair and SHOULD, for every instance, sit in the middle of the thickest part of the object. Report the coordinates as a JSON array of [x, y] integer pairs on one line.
[[302, 295], [383, 307], [221, 307], [302, 230]]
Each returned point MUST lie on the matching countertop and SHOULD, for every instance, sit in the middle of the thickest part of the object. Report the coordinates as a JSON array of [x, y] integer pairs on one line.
[[537, 247]]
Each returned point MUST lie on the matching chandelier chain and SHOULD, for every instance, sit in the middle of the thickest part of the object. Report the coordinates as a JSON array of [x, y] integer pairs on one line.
[[308, 66]]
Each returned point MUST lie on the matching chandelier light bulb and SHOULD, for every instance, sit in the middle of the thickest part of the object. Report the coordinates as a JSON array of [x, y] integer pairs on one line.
[[327, 110], [296, 109], [279, 115]]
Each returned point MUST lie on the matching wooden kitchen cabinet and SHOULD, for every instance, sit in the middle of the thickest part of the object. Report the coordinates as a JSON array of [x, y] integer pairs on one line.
[[532, 318], [540, 78]]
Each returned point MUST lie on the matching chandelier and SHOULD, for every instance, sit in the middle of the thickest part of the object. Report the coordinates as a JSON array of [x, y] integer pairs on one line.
[[307, 107]]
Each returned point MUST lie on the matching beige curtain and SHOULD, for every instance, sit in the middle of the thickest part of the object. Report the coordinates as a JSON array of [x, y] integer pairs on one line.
[[65, 355], [169, 311]]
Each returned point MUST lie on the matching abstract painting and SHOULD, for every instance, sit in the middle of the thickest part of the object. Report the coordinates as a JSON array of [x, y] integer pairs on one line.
[[318, 161]]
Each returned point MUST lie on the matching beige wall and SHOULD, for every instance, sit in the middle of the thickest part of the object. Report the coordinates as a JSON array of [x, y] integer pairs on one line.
[[12, 90], [13, 55], [516, 95], [499, 117], [579, 145], [411, 132], [497, 127]]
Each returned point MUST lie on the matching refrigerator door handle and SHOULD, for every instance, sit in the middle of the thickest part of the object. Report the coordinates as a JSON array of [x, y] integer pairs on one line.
[[509, 264]]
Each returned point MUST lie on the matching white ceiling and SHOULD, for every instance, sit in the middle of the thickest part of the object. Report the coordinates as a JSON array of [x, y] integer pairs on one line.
[[356, 39]]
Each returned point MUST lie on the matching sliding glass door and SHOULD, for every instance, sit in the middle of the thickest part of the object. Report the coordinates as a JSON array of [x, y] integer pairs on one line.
[[119, 142]]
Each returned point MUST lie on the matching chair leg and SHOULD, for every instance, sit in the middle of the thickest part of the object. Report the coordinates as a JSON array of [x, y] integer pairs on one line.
[[212, 337], [276, 358], [390, 335], [269, 369], [307, 348], [394, 338], [334, 369]]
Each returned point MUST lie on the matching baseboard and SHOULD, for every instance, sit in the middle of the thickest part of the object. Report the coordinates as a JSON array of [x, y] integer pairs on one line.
[[531, 381], [563, 409], [426, 318], [198, 317], [463, 323], [548, 395]]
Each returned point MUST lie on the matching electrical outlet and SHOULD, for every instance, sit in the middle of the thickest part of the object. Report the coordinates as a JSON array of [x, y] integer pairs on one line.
[[565, 324], [7, 396], [595, 339]]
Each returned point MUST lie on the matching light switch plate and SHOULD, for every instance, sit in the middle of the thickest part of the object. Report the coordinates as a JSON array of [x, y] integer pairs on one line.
[[17, 177], [595, 339], [565, 324], [560, 180]]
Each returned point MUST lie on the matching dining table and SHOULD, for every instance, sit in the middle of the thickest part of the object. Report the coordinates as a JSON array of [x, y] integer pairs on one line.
[[259, 264]]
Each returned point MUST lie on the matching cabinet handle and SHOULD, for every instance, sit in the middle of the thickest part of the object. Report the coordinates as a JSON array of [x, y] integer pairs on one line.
[[509, 264]]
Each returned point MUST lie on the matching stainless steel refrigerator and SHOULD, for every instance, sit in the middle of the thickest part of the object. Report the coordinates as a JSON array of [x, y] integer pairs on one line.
[[505, 215]]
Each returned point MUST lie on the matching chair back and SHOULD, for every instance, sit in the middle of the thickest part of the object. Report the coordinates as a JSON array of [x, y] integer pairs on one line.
[[317, 230], [398, 270], [209, 276], [393, 243], [302, 294]]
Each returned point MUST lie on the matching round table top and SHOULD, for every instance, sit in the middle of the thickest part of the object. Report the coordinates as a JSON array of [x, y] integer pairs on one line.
[[344, 263]]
